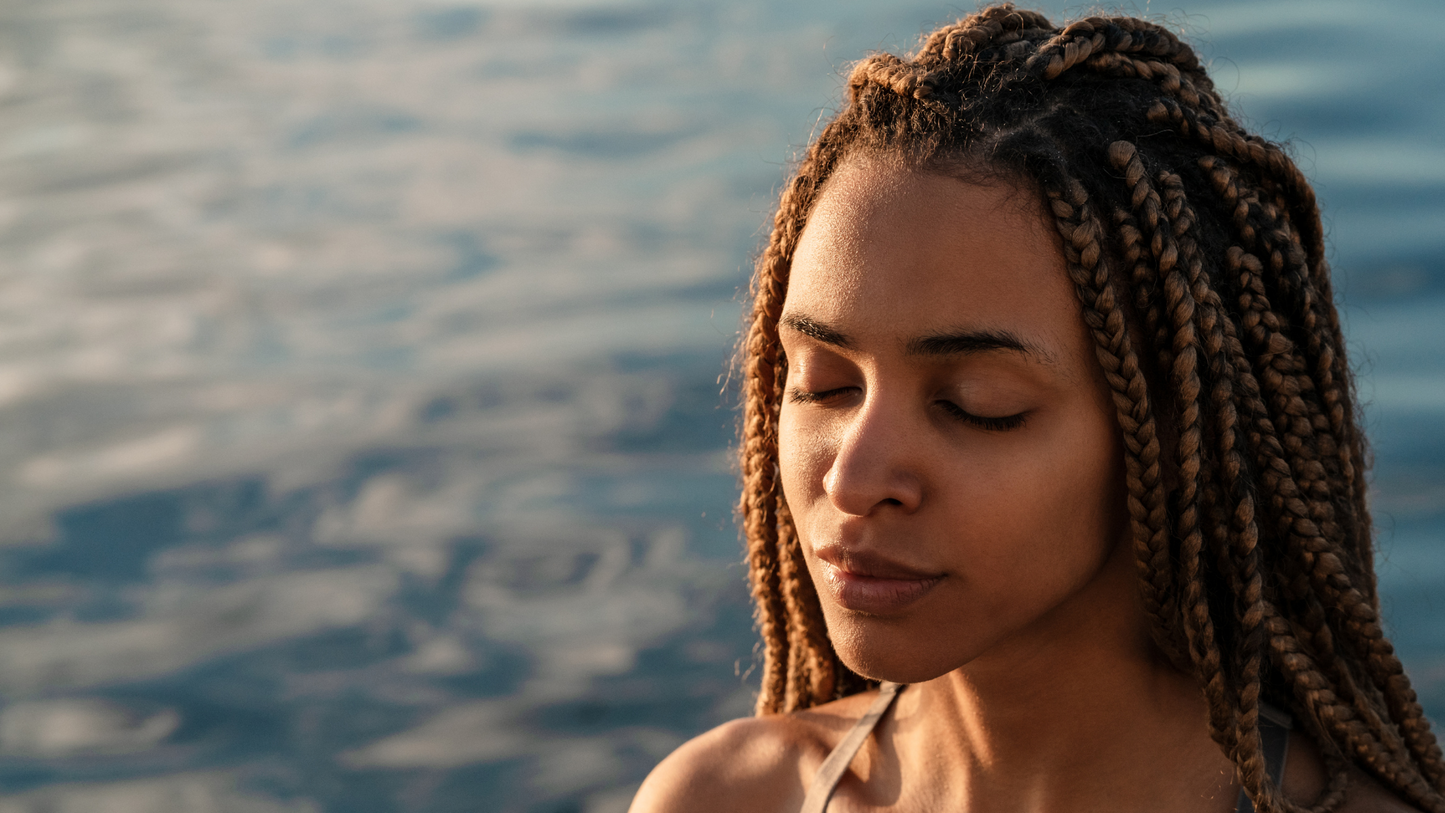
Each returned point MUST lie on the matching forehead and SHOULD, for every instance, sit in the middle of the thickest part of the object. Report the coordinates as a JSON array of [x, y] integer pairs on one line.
[[893, 251]]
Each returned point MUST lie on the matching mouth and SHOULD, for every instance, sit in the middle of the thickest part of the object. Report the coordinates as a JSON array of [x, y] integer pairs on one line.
[[873, 585]]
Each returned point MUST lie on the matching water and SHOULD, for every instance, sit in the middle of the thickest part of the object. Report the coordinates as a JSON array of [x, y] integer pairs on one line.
[[360, 368]]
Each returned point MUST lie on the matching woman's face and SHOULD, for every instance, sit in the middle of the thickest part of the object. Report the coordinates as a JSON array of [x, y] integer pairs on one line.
[[948, 445]]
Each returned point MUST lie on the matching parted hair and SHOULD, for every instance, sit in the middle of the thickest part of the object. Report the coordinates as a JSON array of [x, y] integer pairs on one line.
[[1197, 253]]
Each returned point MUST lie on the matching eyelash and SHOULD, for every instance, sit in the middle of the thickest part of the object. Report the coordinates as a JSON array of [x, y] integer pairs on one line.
[[798, 396], [998, 424], [1002, 423]]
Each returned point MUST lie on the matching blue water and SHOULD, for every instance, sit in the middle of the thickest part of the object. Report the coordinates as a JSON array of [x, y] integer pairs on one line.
[[361, 373]]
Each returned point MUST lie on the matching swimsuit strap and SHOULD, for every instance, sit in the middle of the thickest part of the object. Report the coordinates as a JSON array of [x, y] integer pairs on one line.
[[828, 776], [1274, 727]]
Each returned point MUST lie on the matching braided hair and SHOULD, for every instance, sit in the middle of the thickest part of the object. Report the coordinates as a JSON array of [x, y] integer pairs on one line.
[[1197, 253]]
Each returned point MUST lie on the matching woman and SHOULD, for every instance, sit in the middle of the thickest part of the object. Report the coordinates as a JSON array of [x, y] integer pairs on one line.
[[1048, 418]]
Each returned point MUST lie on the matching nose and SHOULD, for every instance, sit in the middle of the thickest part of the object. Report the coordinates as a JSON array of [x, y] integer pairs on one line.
[[877, 465]]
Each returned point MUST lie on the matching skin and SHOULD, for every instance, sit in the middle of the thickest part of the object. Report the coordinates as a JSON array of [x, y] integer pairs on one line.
[[947, 440]]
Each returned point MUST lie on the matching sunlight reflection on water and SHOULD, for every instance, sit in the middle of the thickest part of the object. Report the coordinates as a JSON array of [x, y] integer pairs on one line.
[[361, 363]]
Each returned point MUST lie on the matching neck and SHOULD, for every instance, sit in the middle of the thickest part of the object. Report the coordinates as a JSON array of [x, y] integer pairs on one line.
[[1079, 714]]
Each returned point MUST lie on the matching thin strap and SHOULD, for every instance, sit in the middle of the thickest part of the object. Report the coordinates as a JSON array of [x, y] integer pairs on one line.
[[828, 776], [1274, 726]]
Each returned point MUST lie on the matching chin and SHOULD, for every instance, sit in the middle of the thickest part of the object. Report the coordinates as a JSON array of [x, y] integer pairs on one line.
[[880, 655]]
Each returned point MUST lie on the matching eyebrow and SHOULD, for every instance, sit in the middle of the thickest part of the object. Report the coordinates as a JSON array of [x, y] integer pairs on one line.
[[965, 342], [962, 342], [817, 330]]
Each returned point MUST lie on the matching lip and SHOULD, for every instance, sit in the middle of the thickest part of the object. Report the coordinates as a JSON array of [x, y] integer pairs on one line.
[[871, 584]]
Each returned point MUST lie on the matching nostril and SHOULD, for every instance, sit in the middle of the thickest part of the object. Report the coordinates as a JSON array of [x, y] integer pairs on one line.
[[892, 501]]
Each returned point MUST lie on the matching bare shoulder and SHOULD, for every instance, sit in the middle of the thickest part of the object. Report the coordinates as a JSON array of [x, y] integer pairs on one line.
[[1306, 778], [757, 764], [1365, 795], [748, 764]]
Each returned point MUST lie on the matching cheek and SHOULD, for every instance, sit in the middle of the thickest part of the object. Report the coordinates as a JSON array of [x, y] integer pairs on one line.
[[1107, 491], [1046, 517], [804, 456], [1088, 492]]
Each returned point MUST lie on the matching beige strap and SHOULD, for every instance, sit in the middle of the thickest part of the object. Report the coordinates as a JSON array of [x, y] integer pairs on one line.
[[828, 776]]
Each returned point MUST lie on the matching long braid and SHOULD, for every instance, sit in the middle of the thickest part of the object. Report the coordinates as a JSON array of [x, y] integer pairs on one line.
[[762, 369], [1197, 253], [1358, 605], [1239, 551], [760, 486], [1114, 349], [1183, 356], [1330, 371], [809, 647]]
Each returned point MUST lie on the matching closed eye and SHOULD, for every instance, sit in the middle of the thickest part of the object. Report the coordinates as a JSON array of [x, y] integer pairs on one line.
[[802, 396], [994, 424]]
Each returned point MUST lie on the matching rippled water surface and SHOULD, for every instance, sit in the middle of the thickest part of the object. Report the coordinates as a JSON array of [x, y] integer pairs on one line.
[[360, 366]]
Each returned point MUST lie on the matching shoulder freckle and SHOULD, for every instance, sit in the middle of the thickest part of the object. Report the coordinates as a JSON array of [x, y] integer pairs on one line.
[[747, 764]]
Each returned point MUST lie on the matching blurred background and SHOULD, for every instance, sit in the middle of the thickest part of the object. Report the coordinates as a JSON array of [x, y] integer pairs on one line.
[[365, 442]]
